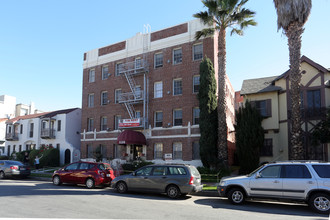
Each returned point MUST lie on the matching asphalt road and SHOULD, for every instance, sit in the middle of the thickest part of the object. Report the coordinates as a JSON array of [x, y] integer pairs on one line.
[[39, 199]]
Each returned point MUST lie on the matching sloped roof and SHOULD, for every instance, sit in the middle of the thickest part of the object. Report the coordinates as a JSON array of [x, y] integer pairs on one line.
[[64, 111], [260, 85]]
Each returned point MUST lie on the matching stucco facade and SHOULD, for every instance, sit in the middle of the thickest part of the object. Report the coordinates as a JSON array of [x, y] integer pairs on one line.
[[315, 97]]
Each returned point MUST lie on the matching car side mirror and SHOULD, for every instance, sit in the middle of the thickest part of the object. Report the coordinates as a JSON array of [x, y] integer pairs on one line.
[[133, 174]]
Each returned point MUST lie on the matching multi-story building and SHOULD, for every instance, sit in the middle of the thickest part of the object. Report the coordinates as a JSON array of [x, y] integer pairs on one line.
[[59, 129], [271, 97], [140, 96]]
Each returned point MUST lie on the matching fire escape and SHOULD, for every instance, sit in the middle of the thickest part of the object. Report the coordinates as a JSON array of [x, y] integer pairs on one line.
[[137, 95]]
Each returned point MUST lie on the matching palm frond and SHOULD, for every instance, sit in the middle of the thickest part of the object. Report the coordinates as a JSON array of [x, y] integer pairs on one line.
[[206, 32], [236, 31], [204, 17]]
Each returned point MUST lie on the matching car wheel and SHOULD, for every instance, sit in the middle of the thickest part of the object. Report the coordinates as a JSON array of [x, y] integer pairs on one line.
[[57, 181], [90, 183], [173, 191], [236, 196], [2, 175], [319, 202], [121, 187]]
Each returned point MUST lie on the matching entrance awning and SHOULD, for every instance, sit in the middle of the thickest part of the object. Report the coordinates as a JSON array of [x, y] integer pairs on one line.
[[131, 137]]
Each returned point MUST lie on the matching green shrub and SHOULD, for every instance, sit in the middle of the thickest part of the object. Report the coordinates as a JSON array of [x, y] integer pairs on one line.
[[4, 158], [49, 156]]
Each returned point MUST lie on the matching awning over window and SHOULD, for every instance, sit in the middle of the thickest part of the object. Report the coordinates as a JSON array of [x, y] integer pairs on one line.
[[131, 137]]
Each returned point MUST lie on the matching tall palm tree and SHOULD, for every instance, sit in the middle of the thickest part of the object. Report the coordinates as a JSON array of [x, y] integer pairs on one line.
[[220, 15], [291, 17]]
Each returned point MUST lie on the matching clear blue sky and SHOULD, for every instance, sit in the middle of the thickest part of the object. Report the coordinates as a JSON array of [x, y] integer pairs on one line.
[[42, 42]]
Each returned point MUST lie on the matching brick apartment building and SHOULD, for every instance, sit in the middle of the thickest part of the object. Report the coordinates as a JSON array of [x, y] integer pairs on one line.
[[140, 96]]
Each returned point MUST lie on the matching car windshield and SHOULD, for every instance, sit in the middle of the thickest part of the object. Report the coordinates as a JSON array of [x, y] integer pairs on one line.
[[253, 172]]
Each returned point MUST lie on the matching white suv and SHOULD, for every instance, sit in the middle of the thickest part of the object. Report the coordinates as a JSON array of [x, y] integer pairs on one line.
[[306, 181]]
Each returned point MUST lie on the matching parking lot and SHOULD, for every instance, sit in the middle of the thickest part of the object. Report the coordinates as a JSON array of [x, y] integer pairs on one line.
[[30, 198]]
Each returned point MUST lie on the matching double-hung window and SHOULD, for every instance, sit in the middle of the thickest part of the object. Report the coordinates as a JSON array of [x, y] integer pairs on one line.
[[177, 150], [91, 100], [119, 68], [158, 90], [117, 119], [158, 151], [177, 87], [117, 95], [104, 98], [177, 56], [177, 117], [90, 124], [159, 119], [104, 123], [196, 116], [196, 83], [158, 60], [91, 77], [105, 72], [198, 51]]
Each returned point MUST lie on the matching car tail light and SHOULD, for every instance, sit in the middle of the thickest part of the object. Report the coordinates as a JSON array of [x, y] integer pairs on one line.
[[14, 167], [191, 181]]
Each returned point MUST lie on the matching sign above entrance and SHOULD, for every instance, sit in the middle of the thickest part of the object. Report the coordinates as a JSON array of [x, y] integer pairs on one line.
[[126, 123]]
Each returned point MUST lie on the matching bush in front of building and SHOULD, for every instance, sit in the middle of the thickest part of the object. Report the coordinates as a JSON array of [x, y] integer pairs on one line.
[[4, 158], [50, 156]]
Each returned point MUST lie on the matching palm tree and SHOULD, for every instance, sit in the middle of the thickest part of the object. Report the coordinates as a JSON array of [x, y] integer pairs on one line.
[[220, 15], [291, 17]]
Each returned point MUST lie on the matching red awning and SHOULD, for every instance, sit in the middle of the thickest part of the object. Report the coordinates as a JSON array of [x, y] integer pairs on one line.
[[131, 137]]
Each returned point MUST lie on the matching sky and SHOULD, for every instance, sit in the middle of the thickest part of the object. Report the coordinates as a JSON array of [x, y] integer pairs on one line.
[[42, 42]]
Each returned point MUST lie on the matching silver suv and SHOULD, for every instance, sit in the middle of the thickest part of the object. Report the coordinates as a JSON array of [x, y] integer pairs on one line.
[[172, 179], [306, 181]]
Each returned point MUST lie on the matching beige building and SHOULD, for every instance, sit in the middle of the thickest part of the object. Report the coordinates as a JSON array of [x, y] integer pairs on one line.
[[270, 96]]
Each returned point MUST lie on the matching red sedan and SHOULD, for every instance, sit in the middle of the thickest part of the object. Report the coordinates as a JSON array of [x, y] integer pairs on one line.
[[88, 173]]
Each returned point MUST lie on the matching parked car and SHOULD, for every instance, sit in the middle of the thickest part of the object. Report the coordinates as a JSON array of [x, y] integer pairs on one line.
[[174, 180], [12, 168], [298, 181], [89, 173]]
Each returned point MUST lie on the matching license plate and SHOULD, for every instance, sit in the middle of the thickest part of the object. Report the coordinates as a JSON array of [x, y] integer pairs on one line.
[[108, 175]]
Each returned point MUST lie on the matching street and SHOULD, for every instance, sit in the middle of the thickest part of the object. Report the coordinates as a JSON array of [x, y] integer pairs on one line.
[[30, 198]]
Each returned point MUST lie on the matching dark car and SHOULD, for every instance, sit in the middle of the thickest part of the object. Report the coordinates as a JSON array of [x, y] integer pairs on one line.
[[174, 180], [12, 168], [89, 173]]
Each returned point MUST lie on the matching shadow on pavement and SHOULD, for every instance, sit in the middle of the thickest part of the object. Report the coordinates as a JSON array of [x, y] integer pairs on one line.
[[277, 208]]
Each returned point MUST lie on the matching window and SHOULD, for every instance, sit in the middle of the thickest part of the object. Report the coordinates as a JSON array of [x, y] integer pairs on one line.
[[90, 100], [177, 87], [21, 129], [264, 107], [89, 151], [144, 171], [267, 149], [159, 171], [90, 124], [196, 116], [158, 151], [177, 150], [59, 124], [158, 119], [314, 102], [31, 130], [138, 114], [177, 56], [138, 92], [158, 60], [195, 150], [138, 63], [196, 83], [118, 95], [119, 68], [177, 115], [73, 166], [322, 170], [158, 90], [271, 172], [104, 98], [105, 72], [198, 51], [103, 150], [177, 171], [84, 166], [296, 171], [104, 123], [91, 77], [117, 118]]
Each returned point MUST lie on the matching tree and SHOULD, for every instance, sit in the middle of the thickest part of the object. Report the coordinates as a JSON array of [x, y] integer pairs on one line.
[[249, 137], [208, 122], [291, 17], [220, 15]]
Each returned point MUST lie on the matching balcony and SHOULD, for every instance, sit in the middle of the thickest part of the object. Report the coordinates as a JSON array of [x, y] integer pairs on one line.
[[11, 137], [47, 133]]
